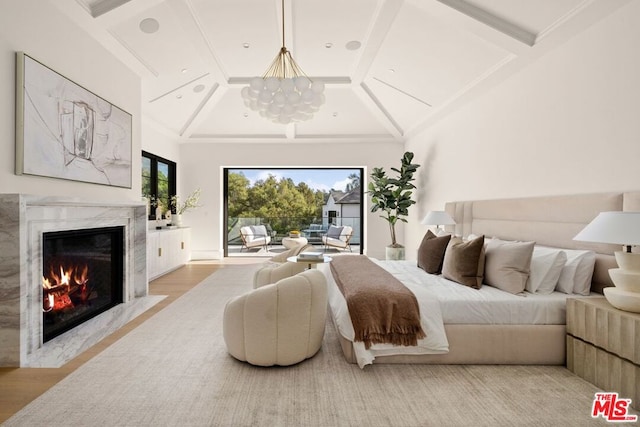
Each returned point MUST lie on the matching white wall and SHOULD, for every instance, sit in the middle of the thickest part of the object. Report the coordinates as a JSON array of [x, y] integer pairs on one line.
[[158, 141], [569, 123], [203, 163], [44, 33]]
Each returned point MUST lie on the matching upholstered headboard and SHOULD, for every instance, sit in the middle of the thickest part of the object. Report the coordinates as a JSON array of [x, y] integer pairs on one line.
[[549, 221]]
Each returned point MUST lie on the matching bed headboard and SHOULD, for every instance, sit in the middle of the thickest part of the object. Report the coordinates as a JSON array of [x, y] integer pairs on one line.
[[549, 221]]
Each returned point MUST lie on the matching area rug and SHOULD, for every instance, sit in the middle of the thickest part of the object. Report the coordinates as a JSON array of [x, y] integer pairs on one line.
[[173, 370]]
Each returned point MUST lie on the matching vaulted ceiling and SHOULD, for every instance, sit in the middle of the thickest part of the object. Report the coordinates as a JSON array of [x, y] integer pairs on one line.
[[391, 67]]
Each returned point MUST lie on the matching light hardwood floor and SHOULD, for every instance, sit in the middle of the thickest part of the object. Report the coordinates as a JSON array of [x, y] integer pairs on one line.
[[19, 386]]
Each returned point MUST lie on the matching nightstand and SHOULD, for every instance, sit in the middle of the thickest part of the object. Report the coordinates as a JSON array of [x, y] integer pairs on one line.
[[603, 346]]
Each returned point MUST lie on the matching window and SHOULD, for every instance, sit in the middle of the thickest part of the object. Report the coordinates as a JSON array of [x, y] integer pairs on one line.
[[283, 199], [158, 180]]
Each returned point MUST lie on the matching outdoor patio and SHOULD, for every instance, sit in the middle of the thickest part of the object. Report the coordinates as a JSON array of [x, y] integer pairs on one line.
[[234, 250]]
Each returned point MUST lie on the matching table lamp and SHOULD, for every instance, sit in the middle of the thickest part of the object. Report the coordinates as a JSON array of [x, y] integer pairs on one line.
[[437, 218], [622, 228]]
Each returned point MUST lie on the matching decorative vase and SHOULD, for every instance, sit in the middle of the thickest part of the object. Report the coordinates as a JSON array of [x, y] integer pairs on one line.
[[394, 254], [177, 220]]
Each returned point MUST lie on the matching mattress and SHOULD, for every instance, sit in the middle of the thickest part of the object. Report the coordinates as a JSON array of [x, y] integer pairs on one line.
[[430, 320], [445, 302]]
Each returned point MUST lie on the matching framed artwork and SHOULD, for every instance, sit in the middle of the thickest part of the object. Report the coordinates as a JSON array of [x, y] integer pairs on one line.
[[66, 131]]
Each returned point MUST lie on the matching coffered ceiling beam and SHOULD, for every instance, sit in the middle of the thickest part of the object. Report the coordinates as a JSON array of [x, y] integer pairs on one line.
[[371, 101], [497, 23], [384, 18]]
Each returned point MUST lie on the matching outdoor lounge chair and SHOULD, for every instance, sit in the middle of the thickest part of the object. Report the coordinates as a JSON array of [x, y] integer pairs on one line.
[[338, 237], [254, 236]]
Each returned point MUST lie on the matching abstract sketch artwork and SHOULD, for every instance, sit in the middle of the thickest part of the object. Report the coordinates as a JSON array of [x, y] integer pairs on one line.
[[65, 131]]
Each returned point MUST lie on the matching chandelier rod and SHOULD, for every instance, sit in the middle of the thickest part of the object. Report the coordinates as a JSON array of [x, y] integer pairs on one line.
[[283, 43]]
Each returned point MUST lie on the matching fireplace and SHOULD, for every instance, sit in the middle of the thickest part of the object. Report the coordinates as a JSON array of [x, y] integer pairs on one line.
[[113, 253], [82, 276]]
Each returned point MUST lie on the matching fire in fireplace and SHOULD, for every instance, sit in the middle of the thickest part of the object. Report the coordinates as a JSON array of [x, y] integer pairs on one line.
[[82, 276]]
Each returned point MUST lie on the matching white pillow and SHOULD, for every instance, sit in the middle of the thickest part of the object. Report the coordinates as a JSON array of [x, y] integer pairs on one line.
[[577, 272], [546, 266]]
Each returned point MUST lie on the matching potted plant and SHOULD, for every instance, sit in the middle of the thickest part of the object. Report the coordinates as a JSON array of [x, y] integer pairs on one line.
[[191, 202], [392, 196]]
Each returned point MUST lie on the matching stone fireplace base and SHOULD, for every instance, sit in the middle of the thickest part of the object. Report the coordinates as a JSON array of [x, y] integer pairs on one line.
[[23, 220], [60, 350]]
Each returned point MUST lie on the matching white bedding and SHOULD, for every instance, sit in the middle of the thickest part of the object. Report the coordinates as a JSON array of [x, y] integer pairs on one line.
[[487, 305], [443, 301]]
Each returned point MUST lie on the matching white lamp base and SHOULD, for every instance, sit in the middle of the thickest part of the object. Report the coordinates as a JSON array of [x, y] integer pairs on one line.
[[623, 300], [628, 260], [626, 294], [625, 279]]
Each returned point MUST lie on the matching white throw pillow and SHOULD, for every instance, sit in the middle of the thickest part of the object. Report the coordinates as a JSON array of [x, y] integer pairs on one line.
[[577, 272], [546, 267]]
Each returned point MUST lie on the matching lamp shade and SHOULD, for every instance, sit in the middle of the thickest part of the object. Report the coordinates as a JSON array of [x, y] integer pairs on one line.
[[437, 218], [622, 228]]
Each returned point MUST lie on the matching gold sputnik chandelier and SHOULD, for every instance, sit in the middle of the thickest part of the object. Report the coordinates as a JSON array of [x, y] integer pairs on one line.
[[284, 93]]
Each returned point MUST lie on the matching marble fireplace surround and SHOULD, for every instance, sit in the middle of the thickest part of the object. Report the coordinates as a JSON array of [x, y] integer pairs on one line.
[[23, 220]]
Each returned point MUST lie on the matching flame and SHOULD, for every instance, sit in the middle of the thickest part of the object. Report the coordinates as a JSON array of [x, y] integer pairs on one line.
[[80, 275], [58, 287]]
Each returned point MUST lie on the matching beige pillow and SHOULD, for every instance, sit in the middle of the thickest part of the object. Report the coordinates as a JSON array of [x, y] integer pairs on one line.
[[431, 252], [507, 264], [464, 261]]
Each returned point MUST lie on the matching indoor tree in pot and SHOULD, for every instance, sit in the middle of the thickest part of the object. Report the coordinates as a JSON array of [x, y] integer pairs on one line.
[[392, 196]]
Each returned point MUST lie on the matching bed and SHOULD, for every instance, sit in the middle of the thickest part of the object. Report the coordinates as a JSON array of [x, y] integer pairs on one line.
[[534, 332]]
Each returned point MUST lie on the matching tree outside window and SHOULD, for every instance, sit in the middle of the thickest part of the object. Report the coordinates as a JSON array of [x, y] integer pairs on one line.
[[158, 181]]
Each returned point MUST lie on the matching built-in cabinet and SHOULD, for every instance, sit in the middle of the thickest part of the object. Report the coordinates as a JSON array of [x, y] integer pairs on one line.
[[167, 249]]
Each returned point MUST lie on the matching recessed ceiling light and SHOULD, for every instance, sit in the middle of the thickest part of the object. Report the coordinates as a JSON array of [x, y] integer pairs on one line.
[[184, 70], [149, 25], [246, 114], [179, 96], [328, 45], [246, 45], [392, 70], [353, 45], [335, 114], [198, 88]]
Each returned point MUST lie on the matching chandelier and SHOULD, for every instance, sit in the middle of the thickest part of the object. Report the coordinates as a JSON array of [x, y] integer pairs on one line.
[[284, 93]]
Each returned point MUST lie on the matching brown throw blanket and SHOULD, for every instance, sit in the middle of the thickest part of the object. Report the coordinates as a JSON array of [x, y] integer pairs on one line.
[[381, 308]]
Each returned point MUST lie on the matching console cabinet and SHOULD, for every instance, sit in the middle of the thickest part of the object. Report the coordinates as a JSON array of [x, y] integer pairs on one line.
[[167, 249], [603, 346]]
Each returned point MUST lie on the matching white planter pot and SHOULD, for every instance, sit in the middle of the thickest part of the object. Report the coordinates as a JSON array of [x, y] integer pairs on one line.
[[394, 254], [177, 220]]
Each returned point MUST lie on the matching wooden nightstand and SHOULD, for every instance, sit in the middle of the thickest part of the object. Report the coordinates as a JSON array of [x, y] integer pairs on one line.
[[603, 346]]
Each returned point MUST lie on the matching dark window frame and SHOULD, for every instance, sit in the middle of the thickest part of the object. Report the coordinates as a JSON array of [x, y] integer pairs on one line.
[[153, 184]]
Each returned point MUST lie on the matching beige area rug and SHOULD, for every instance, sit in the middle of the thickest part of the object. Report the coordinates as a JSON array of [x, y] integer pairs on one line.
[[174, 370]]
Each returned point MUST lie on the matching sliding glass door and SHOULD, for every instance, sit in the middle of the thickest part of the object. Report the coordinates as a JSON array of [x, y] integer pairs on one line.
[[308, 200]]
